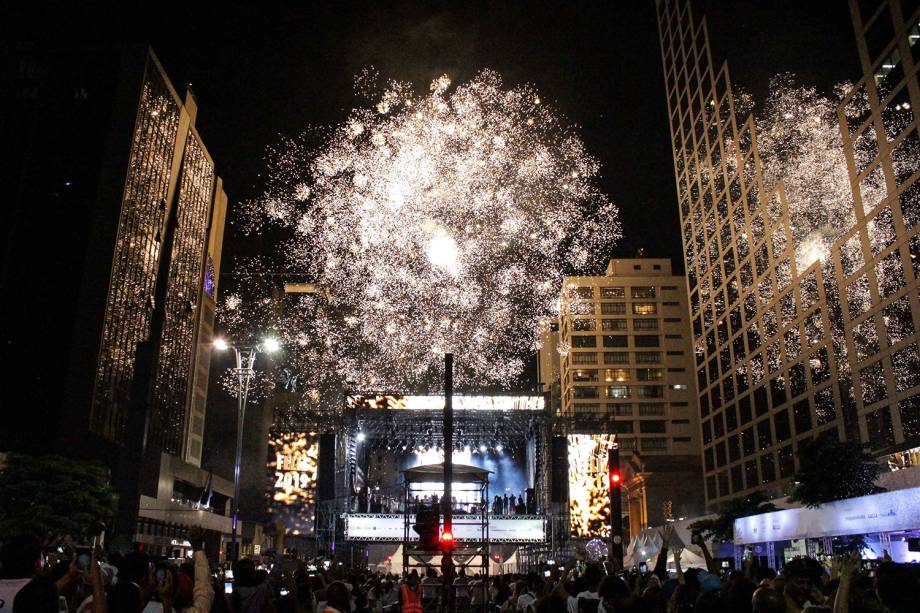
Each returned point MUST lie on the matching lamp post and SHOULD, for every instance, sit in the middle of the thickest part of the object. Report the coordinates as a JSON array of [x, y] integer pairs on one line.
[[244, 372]]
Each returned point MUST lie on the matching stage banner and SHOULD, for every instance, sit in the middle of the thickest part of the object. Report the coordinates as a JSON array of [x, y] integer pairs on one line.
[[373, 527], [887, 512]]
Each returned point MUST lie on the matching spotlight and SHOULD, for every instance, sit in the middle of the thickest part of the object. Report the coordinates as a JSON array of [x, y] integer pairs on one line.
[[483, 448], [361, 436], [466, 449], [499, 448]]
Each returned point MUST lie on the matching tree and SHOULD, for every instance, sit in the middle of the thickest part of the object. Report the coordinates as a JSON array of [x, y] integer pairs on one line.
[[722, 527], [832, 470], [52, 497]]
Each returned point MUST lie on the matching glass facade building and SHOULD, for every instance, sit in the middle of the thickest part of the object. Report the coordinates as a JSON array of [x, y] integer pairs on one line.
[[786, 350]]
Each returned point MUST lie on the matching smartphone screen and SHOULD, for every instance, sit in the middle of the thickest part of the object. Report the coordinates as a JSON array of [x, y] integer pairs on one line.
[[547, 573], [284, 592], [228, 587]]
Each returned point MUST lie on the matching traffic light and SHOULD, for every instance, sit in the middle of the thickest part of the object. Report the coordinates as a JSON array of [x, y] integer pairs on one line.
[[447, 540], [615, 478]]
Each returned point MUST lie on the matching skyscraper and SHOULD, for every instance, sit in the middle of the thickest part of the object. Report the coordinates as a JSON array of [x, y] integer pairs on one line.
[[790, 348], [113, 177], [625, 367]]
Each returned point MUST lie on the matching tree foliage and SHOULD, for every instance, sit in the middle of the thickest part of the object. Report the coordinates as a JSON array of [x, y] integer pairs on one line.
[[51, 496], [722, 527], [832, 470]]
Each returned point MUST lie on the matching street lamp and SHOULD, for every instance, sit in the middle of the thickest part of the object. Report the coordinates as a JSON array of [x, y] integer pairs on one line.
[[245, 360]]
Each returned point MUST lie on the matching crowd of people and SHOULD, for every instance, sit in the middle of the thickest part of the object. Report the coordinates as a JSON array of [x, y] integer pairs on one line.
[[366, 502], [92, 582]]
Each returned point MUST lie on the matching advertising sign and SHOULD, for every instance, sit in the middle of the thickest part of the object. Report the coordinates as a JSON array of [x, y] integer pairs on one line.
[[886, 512]]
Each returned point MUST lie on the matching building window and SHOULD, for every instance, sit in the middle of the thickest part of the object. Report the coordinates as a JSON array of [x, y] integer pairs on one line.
[[613, 308], [646, 324], [649, 374], [644, 308], [615, 340], [656, 266], [584, 292], [586, 392], [622, 427], [649, 409], [646, 340], [677, 370], [583, 325], [680, 421], [672, 320], [672, 337], [652, 426], [584, 341], [588, 407], [620, 409], [584, 358], [675, 353], [654, 444], [649, 391], [681, 439], [616, 374], [617, 391], [613, 324], [648, 357], [643, 292], [678, 386], [616, 357], [612, 292], [584, 376]]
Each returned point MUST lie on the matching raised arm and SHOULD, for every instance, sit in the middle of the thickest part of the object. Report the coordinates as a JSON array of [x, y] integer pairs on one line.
[[661, 563]]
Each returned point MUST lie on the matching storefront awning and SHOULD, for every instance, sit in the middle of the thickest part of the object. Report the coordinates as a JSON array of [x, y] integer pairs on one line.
[[886, 512]]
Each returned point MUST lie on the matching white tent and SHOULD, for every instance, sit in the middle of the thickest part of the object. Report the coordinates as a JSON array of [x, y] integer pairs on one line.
[[645, 546]]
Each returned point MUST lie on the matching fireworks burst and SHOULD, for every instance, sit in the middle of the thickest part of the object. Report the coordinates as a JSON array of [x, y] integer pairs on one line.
[[438, 222], [800, 145]]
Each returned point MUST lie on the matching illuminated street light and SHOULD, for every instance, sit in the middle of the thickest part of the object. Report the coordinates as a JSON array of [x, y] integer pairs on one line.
[[245, 373]]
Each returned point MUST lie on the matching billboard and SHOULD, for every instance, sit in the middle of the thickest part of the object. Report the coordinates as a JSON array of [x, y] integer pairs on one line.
[[589, 490], [293, 463]]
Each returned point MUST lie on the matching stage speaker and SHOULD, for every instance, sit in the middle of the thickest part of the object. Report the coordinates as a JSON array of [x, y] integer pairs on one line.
[[326, 487], [559, 470]]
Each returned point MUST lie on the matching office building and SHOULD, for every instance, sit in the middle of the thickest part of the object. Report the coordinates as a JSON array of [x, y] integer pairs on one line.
[[788, 349], [625, 367], [116, 199]]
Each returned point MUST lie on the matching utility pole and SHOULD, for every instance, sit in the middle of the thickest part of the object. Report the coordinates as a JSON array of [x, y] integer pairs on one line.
[[615, 549], [447, 534]]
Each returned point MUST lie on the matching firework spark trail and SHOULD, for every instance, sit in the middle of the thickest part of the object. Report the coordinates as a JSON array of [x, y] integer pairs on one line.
[[440, 222]]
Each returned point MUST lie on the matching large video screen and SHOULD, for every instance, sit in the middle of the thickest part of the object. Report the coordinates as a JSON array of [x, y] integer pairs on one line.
[[508, 468], [293, 464], [589, 490]]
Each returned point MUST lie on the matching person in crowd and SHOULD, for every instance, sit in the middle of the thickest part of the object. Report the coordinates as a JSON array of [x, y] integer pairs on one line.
[[520, 509], [505, 505], [410, 594], [20, 559], [592, 578], [768, 600], [527, 602], [338, 598], [461, 587], [804, 578]]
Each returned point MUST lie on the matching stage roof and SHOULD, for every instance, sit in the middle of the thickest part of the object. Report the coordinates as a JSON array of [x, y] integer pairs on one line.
[[460, 403], [434, 473]]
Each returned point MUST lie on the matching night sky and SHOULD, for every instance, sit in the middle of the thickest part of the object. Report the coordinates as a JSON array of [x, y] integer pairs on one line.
[[262, 73]]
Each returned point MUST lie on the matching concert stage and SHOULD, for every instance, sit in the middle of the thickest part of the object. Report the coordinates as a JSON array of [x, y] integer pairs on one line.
[[386, 435]]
